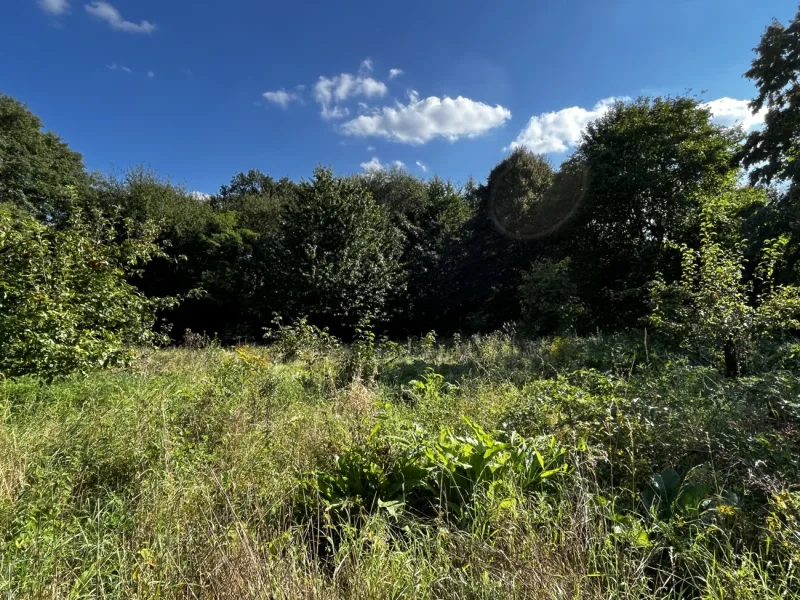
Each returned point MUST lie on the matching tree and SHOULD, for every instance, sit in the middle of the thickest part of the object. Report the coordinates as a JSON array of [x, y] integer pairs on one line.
[[257, 199], [210, 259], [338, 257], [430, 218], [772, 152], [549, 298], [65, 301], [650, 164], [501, 245], [38, 172]]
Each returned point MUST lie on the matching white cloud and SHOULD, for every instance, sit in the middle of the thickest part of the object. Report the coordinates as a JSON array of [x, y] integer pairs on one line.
[[150, 74], [53, 7], [106, 12], [422, 166], [373, 165], [395, 73], [201, 196], [330, 91], [560, 130], [730, 112], [370, 148], [281, 97], [420, 121], [366, 67], [337, 112], [116, 67], [399, 164]]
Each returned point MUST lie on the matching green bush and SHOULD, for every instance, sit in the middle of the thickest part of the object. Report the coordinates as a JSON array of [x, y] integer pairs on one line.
[[550, 301], [714, 311], [66, 304]]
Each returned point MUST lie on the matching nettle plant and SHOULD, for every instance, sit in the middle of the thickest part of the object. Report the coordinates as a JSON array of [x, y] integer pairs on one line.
[[715, 311], [66, 301]]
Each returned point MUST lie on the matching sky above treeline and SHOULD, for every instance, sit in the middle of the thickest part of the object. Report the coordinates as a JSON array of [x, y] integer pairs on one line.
[[200, 90]]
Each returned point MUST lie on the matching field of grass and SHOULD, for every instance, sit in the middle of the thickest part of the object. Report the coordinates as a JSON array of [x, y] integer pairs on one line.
[[489, 467]]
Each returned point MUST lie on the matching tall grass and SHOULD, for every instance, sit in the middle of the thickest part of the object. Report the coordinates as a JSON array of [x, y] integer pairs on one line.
[[187, 476]]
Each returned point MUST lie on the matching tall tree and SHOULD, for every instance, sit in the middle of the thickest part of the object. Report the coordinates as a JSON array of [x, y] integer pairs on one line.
[[38, 172], [209, 254], [338, 259], [649, 162], [502, 241], [772, 152], [430, 217]]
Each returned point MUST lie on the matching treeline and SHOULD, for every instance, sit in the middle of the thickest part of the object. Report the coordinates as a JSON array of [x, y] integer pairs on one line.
[[577, 248]]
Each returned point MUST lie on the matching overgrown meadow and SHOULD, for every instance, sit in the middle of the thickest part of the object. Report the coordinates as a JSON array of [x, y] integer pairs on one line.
[[217, 396], [488, 467]]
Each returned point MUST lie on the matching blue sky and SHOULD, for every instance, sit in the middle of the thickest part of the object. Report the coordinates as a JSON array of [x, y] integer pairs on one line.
[[181, 84]]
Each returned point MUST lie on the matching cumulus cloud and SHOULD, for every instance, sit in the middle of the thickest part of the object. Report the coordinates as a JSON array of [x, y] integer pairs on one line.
[[106, 12], [420, 121], [53, 7], [281, 97], [560, 130], [116, 67], [730, 112], [366, 67], [373, 165], [399, 164], [422, 166], [329, 92], [395, 73]]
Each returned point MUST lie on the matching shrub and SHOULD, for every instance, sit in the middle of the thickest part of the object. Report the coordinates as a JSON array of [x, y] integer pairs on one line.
[[714, 311], [65, 301], [550, 297], [300, 340]]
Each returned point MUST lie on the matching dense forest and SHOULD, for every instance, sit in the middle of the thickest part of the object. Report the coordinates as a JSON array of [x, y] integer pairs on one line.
[[214, 396]]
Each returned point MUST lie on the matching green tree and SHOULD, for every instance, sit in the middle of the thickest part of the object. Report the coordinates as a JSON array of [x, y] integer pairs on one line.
[[650, 164], [209, 255], [65, 301], [503, 240], [257, 199], [38, 172], [338, 259], [549, 297], [430, 218], [771, 152]]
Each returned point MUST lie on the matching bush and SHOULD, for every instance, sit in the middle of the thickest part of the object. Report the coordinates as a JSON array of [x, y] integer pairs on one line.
[[714, 311], [65, 302], [550, 302]]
